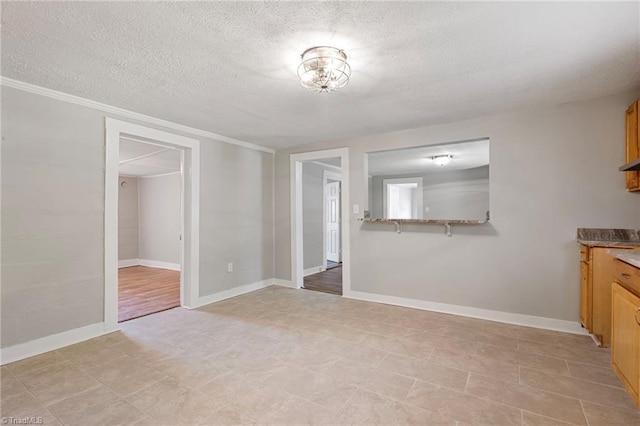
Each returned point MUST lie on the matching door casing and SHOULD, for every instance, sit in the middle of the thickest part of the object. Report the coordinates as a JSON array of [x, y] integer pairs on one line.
[[189, 277], [295, 194]]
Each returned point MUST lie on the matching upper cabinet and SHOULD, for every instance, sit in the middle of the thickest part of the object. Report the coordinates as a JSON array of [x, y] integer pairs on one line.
[[632, 146]]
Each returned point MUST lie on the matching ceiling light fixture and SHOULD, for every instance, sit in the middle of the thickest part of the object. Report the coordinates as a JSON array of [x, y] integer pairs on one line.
[[442, 160], [324, 69]]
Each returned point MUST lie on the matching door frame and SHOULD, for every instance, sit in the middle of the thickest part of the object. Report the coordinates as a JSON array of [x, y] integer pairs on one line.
[[295, 194], [190, 261], [417, 179], [326, 176]]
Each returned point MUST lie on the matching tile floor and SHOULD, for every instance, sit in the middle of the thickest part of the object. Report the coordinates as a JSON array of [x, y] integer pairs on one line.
[[285, 357]]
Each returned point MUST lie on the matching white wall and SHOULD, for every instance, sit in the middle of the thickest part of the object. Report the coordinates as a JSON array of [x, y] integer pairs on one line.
[[52, 217], [160, 218], [236, 216], [53, 206], [128, 247], [552, 170]]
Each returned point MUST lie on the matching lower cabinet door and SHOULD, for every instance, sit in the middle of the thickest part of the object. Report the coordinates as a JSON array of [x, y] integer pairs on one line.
[[625, 348]]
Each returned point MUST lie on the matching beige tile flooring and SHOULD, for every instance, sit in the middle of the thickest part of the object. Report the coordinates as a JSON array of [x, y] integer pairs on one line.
[[280, 356]]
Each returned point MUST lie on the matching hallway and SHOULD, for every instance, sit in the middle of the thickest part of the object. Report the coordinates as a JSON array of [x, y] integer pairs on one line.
[[329, 281], [143, 291]]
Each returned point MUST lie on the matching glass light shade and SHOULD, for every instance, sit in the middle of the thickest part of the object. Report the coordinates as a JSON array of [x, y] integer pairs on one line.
[[442, 160], [324, 69]]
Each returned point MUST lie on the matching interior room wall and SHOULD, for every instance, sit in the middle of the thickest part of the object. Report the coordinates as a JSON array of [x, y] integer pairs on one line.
[[53, 206], [312, 217], [458, 194], [236, 216], [160, 219], [553, 169], [128, 248]]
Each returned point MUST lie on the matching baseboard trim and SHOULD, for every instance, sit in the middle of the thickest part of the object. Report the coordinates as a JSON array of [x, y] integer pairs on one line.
[[284, 283], [314, 270], [232, 292], [50, 343], [158, 264], [125, 263], [468, 311]]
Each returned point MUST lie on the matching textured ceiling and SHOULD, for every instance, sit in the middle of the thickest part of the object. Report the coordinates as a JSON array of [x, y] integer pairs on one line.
[[466, 155], [230, 67]]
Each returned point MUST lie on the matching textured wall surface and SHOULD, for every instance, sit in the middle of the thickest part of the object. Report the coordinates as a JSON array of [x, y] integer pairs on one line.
[[236, 216], [552, 170], [53, 207], [160, 219], [128, 245], [52, 217]]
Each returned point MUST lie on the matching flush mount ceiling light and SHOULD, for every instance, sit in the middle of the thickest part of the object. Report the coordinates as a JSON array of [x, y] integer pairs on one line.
[[442, 160], [324, 69]]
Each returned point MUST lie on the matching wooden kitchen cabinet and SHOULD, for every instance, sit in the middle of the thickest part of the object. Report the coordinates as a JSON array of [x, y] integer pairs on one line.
[[585, 297], [632, 145], [625, 348], [597, 272]]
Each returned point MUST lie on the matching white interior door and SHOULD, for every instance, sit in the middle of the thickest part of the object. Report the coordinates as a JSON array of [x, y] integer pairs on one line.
[[333, 221]]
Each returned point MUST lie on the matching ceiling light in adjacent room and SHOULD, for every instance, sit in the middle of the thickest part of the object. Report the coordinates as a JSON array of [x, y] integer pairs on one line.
[[442, 160], [324, 69]]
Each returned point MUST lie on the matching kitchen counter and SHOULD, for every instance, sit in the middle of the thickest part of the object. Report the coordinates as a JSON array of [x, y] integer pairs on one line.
[[632, 257], [602, 237]]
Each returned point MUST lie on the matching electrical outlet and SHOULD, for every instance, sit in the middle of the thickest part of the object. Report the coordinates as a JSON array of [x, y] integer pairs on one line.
[[229, 267], [426, 209]]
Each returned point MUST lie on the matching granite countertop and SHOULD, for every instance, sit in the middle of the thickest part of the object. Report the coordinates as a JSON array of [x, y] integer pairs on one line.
[[436, 221], [632, 257], [601, 237]]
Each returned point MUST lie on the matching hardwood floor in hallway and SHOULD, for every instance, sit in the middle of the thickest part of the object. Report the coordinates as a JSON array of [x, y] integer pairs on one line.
[[143, 291], [329, 281]]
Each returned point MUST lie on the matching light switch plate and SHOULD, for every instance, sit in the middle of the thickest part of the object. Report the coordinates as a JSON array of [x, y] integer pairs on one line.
[[356, 209]]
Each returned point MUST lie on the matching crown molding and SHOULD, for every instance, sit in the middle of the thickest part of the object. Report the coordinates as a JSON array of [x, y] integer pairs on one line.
[[32, 88]]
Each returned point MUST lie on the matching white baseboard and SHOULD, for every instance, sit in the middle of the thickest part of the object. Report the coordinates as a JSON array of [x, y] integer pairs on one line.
[[314, 270], [50, 343], [158, 264], [283, 283], [467, 311], [66, 338], [125, 263], [232, 292]]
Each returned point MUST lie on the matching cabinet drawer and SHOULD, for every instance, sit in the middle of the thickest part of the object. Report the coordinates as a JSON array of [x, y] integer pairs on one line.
[[628, 275]]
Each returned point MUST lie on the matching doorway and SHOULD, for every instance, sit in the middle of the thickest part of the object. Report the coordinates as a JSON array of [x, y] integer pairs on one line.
[[149, 227], [163, 145], [334, 244], [321, 218], [402, 198], [332, 218]]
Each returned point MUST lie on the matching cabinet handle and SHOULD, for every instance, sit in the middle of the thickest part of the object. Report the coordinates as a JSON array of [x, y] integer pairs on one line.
[[625, 276], [635, 316]]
